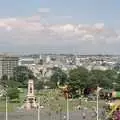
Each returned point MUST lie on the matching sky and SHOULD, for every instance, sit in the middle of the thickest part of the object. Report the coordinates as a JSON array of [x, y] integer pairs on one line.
[[61, 26]]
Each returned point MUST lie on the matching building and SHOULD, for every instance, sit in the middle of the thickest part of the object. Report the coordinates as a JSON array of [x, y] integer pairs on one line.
[[7, 64], [26, 61], [48, 59]]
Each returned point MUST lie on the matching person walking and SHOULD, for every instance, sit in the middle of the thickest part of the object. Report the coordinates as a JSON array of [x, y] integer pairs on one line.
[[117, 114], [83, 115], [94, 113], [64, 117], [103, 113]]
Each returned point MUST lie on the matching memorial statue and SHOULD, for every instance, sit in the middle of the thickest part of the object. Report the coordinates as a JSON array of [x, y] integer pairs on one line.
[[30, 102]]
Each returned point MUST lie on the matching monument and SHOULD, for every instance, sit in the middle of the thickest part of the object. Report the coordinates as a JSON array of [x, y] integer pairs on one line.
[[30, 102]]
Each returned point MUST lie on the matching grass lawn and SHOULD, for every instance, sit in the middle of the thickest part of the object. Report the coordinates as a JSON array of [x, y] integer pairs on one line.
[[11, 106], [51, 100]]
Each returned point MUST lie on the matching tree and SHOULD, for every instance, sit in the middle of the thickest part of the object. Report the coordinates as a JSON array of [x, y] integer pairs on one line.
[[13, 93], [59, 76], [78, 78], [4, 81], [39, 85], [117, 67], [50, 84], [102, 78], [22, 74], [13, 84], [112, 76], [117, 83]]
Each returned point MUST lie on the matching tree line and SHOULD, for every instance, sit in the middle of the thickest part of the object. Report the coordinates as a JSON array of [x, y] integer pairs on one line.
[[78, 79]]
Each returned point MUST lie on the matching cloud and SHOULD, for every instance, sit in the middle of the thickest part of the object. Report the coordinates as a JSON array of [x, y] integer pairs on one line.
[[30, 31], [99, 26], [44, 10], [88, 37]]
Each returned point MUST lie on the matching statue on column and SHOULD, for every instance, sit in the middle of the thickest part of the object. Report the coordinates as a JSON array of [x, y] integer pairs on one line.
[[30, 102]]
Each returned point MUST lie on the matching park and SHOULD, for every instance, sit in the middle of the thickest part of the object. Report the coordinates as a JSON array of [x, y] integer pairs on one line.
[[70, 96]]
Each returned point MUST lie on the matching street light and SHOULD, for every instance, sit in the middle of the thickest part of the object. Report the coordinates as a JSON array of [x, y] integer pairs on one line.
[[39, 108], [98, 89], [6, 111], [6, 98], [67, 106], [97, 103], [6, 104]]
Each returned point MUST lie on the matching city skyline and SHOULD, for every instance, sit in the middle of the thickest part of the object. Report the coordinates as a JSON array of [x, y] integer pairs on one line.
[[83, 26]]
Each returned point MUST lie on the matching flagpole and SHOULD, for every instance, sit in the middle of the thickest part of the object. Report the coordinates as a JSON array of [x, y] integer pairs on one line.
[[6, 109]]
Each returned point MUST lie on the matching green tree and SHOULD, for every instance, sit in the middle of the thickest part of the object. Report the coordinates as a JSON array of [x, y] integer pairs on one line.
[[50, 84], [112, 76], [117, 67], [22, 74], [101, 78], [13, 93], [117, 83], [12, 84], [59, 76], [78, 78], [39, 85], [4, 81]]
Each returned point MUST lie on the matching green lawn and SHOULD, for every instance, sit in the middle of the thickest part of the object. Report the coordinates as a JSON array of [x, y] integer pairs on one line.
[[11, 106], [51, 99]]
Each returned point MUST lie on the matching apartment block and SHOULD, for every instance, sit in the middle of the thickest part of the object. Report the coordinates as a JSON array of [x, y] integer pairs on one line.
[[7, 64]]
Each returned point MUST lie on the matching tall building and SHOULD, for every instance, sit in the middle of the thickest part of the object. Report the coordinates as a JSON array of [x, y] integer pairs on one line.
[[7, 64]]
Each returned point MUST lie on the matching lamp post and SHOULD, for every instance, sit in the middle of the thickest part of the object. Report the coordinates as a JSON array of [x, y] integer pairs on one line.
[[6, 104], [6, 110], [4, 82], [98, 89], [67, 106], [39, 108], [97, 104]]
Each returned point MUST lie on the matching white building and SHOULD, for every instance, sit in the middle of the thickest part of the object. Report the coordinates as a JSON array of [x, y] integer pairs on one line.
[[26, 61], [48, 59]]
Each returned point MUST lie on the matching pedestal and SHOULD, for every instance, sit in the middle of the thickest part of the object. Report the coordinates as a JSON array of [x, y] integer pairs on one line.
[[30, 99]]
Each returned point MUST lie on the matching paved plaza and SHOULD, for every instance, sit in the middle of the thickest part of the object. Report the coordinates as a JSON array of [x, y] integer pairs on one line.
[[32, 115]]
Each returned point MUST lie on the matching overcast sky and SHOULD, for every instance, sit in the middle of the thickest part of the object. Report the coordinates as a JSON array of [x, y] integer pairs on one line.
[[82, 26]]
